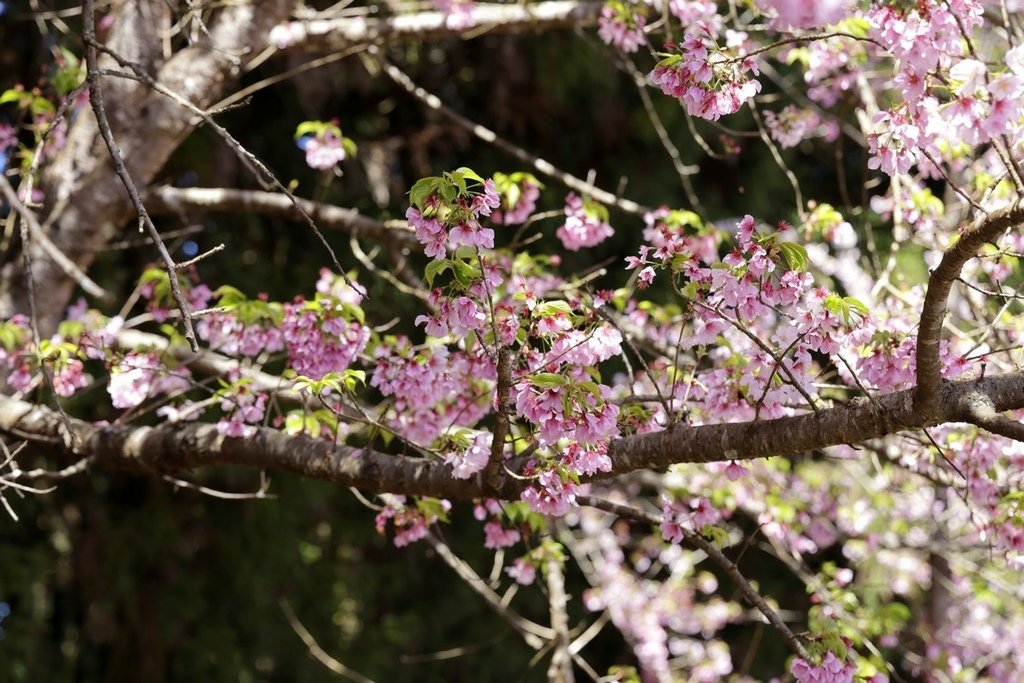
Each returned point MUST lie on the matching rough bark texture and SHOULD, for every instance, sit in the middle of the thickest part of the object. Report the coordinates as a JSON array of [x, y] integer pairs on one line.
[[173, 199], [328, 35], [933, 313], [176, 447], [86, 205]]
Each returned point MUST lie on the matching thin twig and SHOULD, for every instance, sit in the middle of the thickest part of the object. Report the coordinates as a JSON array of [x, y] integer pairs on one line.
[[314, 648], [51, 249], [716, 555], [488, 135], [532, 634], [96, 101], [560, 670]]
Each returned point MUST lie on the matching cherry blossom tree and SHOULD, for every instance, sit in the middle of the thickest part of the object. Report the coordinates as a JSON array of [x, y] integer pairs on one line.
[[839, 391]]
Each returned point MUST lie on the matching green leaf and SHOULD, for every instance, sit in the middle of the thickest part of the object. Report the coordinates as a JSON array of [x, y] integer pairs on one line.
[[353, 377], [41, 105], [547, 380], [432, 507], [12, 95], [422, 189], [353, 312], [795, 255], [349, 146], [448, 192], [12, 336], [459, 181], [435, 268], [592, 387], [856, 305], [310, 128], [550, 309], [469, 173], [227, 296]]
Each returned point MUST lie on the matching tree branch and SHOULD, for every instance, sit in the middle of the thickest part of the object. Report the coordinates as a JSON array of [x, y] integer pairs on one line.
[[487, 135], [979, 410], [172, 199], [172, 447], [534, 635], [717, 556], [86, 203], [328, 35], [96, 101], [927, 395], [560, 669]]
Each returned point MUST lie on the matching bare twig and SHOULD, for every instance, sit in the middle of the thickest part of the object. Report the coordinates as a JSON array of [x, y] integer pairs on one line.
[[532, 634], [96, 101], [716, 555], [488, 135], [260, 494], [173, 199], [314, 648], [39, 235], [560, 670]]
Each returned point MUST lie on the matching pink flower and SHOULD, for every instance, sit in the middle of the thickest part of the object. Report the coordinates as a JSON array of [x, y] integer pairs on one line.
[[522, 571], [471, 234], [735, 471], [485, 202], [622, 28], [587, 460], [69, 377], [805, 13], [499, 537], [324, 153], [459, 13], [831, 670], [553, 496], [524, 207], [582, 228], [429, 232], [235, 427], [131, 379], [472, 460]]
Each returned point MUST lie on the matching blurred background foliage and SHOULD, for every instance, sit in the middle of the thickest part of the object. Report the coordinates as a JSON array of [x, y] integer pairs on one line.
[[126, 578]]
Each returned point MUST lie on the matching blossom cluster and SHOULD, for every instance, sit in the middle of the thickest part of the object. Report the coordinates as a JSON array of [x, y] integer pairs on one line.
[[708, 82], [622, 24], [411, 521], [446, 216], [586, 223], [830, 670], [519, 193], [323, 143]]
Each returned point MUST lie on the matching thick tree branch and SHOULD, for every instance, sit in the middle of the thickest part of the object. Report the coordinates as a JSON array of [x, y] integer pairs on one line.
[[172, 199], [329, 35], [175, 447], [979, 410], [987, 228], [849, 424]]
